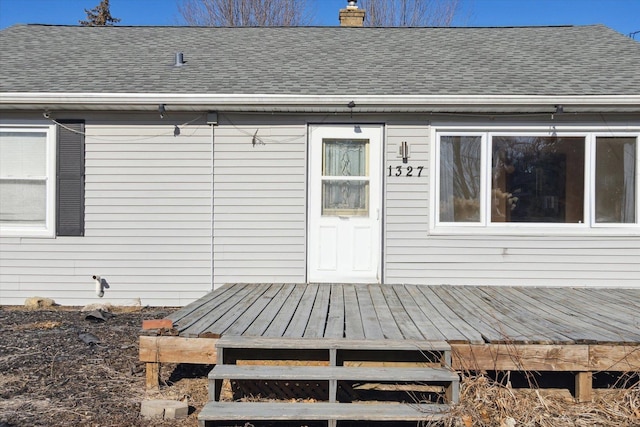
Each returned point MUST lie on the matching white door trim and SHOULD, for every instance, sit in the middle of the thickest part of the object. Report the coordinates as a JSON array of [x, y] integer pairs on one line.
[[345, 247]]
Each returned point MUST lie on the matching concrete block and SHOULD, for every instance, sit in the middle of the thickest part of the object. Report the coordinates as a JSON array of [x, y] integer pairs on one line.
[[164, 409]]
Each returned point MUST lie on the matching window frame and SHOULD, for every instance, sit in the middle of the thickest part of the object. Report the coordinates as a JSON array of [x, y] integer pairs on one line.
[[485, 227], [48, 230], [592, 180]]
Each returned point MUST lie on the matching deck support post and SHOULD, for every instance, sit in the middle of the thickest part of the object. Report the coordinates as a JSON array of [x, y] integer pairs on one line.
[[153, 375], [584, 383]]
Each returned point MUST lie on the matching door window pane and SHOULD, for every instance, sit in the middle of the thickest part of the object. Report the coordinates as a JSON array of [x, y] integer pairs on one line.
[[345, 157], [345, 171], [345, 198], [460, 161], [537, 179], [615, 180]]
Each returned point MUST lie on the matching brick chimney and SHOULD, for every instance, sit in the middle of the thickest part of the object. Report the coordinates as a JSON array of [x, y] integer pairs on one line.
[[352, 16]]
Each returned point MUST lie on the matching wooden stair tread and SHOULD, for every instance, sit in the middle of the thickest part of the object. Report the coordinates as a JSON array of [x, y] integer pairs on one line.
[[343, 373], [329, 343], [245, 411]]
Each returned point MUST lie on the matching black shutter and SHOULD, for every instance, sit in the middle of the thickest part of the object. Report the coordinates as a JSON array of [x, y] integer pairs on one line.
[[70, 178]]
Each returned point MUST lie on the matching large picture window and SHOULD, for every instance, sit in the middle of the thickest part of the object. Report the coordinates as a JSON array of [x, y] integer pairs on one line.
[[27, 161], [537, 179], [494, 180]]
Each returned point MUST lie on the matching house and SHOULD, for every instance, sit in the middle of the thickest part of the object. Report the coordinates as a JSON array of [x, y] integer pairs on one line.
[[160, 162]]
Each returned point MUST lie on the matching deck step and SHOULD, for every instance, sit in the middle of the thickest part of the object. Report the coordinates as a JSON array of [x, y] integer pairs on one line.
[[284, 411], [340, 373], [332, 374], [332, 383], [334, 350]]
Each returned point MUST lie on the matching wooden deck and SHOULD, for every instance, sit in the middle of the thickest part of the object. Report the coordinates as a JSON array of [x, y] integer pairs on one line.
[[489, 328], [476, 315]]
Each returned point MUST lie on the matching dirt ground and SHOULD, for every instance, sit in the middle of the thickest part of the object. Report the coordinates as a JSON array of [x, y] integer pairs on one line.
[[49, 376], [59, 369]]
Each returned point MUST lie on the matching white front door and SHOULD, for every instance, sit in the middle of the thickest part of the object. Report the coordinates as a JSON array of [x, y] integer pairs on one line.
[[345, 187]]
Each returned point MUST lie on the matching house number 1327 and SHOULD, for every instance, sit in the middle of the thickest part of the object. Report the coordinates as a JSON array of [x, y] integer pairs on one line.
[[406, 171]]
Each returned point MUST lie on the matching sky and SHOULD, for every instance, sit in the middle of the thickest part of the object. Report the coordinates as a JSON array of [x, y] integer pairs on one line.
[[621, 15]]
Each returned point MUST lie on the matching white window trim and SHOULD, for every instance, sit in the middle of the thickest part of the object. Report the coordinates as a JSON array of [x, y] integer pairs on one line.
[[592, 179], [48, 230], [485, 227]]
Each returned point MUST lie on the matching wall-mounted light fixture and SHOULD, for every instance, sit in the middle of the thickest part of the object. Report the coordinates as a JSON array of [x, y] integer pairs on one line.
[[161, 110], [404, 151]]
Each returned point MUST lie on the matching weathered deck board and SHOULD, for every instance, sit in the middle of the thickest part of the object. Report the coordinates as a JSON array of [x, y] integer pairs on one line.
[[283, 318], [531, 324], [390, 329], [242, 308], [581, 330], [442, 309], [629, 297], [198, 305], [370, 321], [318, 316], [197, 326], [195, 311], [509, 330], [251, 314], [301, 317], [464, 310], [464, 314], [335, 318], [530, 314], [609, 295], [320, 373], [431, 321], [407, 327], [352, 319], [607, 315], [264, 319], [277, 411]]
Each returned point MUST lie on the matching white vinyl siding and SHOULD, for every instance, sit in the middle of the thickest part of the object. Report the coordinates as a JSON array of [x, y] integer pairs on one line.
[[149, 216], [260, 199], [147, 222]]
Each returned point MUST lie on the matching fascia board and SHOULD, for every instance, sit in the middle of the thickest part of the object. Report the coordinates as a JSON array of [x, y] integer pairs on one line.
[[266, 102]]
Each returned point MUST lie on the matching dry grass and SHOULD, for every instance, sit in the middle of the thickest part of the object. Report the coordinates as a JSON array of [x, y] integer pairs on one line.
[[485, 402]]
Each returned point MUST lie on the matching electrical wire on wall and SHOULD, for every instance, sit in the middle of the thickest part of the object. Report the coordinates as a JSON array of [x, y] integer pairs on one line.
[[175, 131]]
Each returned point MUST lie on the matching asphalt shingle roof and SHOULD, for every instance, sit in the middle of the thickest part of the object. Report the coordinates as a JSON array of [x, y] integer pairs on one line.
[[582, 60]]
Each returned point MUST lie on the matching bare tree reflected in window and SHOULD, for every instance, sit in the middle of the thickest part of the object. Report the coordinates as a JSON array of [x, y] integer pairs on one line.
[[460, 158]]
